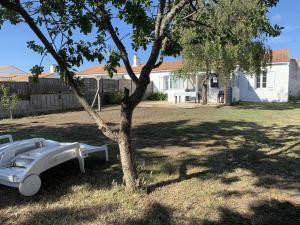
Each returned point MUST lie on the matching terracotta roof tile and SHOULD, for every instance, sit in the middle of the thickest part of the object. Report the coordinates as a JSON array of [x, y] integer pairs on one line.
[[99, 69], [280, 55]]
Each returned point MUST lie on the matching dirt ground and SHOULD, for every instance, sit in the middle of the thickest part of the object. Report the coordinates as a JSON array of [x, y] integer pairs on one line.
[[205, 165]]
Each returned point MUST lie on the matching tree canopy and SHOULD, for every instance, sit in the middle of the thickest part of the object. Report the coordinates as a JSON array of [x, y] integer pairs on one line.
[[234, 33]]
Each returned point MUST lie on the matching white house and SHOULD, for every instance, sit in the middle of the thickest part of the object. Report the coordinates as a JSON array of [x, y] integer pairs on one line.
[[277, 83], [162, 77], [280, 80]]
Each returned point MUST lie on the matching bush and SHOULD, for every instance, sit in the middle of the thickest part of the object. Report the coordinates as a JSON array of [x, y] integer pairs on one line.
[[158, 96], [8, 101], [113, 98], [294, 99]]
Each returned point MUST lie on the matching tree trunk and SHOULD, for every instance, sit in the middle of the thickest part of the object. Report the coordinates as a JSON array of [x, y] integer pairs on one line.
[[204, 90], [227, 93], [10, 114], [126, 151]]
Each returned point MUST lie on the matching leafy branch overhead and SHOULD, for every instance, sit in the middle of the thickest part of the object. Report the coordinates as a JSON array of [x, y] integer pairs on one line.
[[234, 33]]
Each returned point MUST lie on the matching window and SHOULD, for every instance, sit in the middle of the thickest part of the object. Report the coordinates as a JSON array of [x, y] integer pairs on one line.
[[214, 81], [258, 81], [261, 80], [264, 79], [176, 83]]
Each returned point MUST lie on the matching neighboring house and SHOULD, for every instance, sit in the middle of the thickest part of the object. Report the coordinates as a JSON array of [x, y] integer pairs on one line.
[[11, 73]]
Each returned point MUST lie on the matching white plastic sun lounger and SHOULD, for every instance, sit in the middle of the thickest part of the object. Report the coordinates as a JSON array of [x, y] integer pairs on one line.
[[21, 162]]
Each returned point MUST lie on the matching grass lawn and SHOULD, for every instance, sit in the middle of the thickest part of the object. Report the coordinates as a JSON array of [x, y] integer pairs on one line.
[[209, 165]]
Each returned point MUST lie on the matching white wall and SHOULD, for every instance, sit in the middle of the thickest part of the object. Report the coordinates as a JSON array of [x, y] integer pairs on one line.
[[294, 79], [277, 85], [159, 84]]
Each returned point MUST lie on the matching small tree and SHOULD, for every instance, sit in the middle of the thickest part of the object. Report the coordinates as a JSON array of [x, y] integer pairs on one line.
[[8, 101], [233, 34]]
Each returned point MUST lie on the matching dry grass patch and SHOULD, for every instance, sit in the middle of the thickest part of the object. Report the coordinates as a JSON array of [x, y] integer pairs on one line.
[[210, 166]]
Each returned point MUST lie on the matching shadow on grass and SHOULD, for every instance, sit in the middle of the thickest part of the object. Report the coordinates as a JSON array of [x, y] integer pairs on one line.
[[260, 213], [232, 144], [267, 106]]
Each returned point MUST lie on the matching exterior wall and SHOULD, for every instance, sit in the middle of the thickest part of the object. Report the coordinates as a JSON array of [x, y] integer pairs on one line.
[[277, 89], [294, 79], [161, 83]]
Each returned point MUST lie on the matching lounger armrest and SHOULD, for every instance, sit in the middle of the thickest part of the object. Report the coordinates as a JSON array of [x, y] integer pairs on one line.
[[7, 136]]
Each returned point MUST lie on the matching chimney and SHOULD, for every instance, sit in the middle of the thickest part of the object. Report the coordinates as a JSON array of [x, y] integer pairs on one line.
[[52, 68], [135, 60]]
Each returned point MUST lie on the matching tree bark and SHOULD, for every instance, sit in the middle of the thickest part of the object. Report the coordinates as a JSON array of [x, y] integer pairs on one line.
[[204, 90], [126, 151], [10, 113], [227, 93]]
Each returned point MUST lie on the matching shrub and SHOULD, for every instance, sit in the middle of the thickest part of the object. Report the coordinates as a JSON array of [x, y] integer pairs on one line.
[[8, 102], [113, 98], [158, 96], [294, 99]]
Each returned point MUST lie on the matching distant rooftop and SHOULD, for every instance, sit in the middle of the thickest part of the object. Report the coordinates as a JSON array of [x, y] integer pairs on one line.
[[6, 71]]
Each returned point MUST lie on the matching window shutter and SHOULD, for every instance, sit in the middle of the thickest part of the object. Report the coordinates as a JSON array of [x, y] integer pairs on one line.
[[271, 79]]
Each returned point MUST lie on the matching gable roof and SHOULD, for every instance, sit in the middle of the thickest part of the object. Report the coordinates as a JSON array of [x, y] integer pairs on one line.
[[280, 55], [6, 71], [100, 69]]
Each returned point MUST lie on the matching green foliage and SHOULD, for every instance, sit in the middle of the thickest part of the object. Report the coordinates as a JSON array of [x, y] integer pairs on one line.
[[8, 102], [36, 71], [113, 98], [227, 34], [158, 96]]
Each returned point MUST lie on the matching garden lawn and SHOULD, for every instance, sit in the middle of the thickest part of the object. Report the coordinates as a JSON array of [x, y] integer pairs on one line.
[[209, 165]]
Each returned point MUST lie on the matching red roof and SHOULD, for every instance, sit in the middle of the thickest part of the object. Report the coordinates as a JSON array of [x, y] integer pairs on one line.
[[99, 69], [280, 55]]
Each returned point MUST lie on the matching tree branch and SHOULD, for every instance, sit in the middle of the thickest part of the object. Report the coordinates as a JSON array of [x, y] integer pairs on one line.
[[119, 44], [162, 23], [16, 7]]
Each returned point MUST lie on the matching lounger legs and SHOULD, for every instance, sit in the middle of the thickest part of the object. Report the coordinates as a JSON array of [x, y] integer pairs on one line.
[[80, 159], [106, 154], [30, 186]]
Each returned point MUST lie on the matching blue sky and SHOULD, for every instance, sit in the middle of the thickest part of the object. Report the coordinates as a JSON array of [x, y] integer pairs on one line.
[[13, 50]]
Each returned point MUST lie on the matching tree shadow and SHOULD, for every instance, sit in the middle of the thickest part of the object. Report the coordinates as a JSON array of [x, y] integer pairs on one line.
[[262, 150], [260, 213], [74, 215], [267, 106], [232, 145]]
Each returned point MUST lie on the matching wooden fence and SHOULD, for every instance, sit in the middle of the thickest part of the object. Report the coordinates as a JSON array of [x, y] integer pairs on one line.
[[49, 94]]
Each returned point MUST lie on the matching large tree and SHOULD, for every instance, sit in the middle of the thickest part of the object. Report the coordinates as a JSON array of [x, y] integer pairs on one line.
[[233, 33], [152, 25]]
